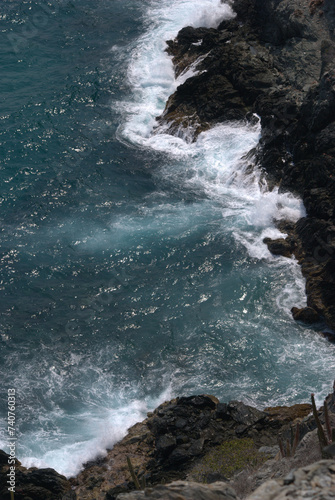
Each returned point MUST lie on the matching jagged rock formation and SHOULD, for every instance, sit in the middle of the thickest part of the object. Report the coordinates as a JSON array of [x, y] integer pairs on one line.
[[276, 59], [165, 446], [173, 439]]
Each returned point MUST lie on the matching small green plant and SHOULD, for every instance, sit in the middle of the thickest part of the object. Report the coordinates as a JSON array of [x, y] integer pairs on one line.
[[325, 437], [288, 450], [228, 458], [138, 486]]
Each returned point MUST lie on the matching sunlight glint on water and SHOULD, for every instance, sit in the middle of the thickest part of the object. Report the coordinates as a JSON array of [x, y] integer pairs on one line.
[[143, 275]]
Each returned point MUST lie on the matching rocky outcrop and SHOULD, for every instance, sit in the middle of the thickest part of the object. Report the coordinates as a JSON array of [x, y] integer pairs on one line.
[[33, 484], [173, 442], [165, 446], [315, 481], [276, 59], [306, 315], [184, 490]]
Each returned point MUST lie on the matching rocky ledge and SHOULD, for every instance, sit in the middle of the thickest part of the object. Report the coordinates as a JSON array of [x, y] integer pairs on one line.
[[276, 59], [197, 439], [316, 481]]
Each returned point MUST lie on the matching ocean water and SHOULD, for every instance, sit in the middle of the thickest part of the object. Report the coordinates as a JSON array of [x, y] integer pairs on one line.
[[132, 262]]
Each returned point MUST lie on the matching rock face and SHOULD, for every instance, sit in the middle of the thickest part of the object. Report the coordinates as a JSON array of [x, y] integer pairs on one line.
[[174, 440], [34, 484], [165, 446], [183, 490], [306, 315], [315, 481], [276, 59]]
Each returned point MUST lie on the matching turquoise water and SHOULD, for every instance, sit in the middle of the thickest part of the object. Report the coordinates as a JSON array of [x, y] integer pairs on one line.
[[132, 262]]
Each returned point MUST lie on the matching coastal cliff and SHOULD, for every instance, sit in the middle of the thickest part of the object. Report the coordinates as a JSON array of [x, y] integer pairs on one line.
[[276, 59]]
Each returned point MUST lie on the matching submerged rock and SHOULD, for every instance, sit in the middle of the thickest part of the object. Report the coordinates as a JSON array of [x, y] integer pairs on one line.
[[280, 246]]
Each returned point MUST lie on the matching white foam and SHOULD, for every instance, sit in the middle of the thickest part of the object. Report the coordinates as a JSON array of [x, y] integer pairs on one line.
[[214, 165], [151, 74], [99, 431]]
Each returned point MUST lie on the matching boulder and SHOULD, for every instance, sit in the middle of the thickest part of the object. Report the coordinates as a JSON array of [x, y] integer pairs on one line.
[[307, 315], [280, 246]]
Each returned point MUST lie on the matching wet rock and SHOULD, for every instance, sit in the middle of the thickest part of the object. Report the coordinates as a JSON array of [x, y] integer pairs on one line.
[[307, 315], [280, 246]]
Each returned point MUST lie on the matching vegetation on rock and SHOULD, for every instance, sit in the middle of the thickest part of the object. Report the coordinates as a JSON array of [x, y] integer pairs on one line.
[[229, 458]]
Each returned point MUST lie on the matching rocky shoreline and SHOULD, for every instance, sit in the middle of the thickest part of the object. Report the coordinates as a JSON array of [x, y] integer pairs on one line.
[[276, 59], [195, 439]]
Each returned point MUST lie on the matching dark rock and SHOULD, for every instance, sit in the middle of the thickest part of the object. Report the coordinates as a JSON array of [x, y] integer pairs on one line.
[[222, 411], [306, 315], [197, 447], [206, 402], [180, 423], [38, 484], [244, 414], [280, 246], [179, 456], [165, 444]]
